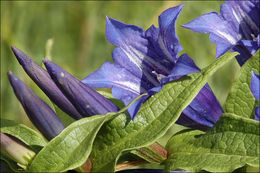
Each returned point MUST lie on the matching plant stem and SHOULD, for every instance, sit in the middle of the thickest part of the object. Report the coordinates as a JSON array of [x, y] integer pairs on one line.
[[126, 165]]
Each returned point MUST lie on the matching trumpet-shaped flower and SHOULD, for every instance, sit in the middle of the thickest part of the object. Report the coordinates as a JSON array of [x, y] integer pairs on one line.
[[146, 60], [237, 27], [41, 115], [44, 81], [255, 87], [86, 100]]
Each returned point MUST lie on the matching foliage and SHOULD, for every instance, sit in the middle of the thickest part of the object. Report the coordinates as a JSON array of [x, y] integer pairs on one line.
[[74, 31]]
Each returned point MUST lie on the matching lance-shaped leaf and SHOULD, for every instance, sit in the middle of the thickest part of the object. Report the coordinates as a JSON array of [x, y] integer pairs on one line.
[[232, 143], [16, 151], [154, 118], [87, 100], [240, 100], [41, 115], [71, 148], [44, 81]]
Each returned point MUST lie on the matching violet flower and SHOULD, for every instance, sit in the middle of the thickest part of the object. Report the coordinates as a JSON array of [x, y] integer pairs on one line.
[[41, 115], [255, 87], [86, 100], [44, 81], [237, 27], [146, 60]]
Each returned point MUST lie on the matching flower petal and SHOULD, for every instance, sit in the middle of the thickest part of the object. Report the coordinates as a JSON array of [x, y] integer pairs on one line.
[[86, 100], [257, 113], [41, 115], [136, 48], [204, 109], [246, 48], [243, 16], [168, 37], [221, 32], [237, 25], [255, 86], [125, 86], [184, 66], [110, 75]]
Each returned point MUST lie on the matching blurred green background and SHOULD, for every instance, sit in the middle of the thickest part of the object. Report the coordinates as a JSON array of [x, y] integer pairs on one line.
[[79, 43]]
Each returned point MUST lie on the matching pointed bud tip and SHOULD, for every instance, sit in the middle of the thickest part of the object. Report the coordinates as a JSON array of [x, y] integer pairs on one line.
[[10, 73], [13, 48], [11, 76], [20, 55], [44, 60]]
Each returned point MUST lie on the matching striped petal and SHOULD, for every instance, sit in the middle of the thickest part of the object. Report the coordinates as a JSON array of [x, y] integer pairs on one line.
[[257, 113], [221, 32], [203, 112], [236, 28], [255, 85]]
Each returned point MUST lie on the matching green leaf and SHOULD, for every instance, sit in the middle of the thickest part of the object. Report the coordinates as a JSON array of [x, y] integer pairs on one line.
[[232, 143], [71, 148], [240, 100], [155, 116], [23, 133]]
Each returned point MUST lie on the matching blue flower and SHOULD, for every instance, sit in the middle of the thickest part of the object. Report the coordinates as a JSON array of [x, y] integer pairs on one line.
[[41, 115], [146, 60], [235, 28], [255, 87]]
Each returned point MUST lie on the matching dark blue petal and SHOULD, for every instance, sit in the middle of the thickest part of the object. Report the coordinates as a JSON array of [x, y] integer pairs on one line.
[[246, 48], [204, 110], [184, 66], [168, 38], [44, 81], [86, 100], [41, 115], [243, 16], [255, 85], [134, 46], [257, 113]]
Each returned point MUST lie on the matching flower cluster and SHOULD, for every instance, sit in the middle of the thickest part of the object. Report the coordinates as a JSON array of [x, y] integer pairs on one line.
[[144, 61]]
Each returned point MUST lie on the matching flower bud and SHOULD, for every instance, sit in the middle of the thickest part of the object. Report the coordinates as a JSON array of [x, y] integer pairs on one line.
[[41, 115], [86, 100], [16, 151], [44, 81]]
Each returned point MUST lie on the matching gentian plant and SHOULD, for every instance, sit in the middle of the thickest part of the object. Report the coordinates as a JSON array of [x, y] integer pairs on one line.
[[153, 87]]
